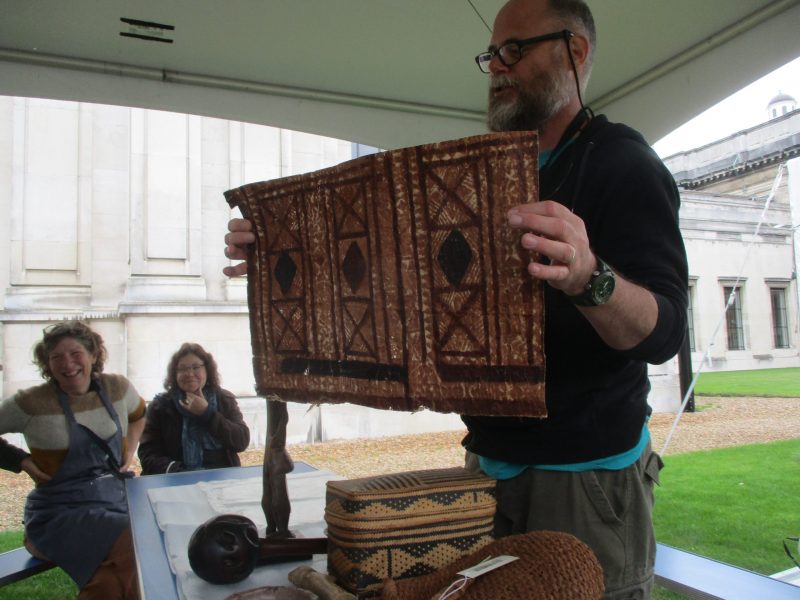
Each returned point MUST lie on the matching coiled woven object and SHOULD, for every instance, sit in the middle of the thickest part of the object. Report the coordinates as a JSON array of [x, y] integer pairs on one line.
[[551, 566]]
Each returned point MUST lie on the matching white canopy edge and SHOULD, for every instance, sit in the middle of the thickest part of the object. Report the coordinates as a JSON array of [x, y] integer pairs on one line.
[[374, 121], [655, 102], [680, 89]]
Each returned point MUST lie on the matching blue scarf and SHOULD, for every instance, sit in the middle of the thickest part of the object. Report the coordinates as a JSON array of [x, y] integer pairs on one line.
[[195, 436]]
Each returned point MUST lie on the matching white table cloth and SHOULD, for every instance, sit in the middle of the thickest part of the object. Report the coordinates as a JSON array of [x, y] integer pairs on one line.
[[179, 510]]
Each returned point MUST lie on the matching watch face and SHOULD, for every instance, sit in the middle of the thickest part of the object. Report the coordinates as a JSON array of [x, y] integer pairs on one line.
[[602, 288]]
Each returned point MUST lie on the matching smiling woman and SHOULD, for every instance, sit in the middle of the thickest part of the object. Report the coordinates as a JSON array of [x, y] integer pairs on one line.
[[70, 364], [195, 424], [82, 428]]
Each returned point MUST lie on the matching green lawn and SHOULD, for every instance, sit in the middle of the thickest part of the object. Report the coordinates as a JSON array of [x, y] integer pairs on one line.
[[733, 504], [50, 585], [760, 382]]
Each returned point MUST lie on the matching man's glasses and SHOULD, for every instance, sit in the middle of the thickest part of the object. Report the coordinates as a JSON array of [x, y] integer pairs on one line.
[[511, 52], [190, 368]]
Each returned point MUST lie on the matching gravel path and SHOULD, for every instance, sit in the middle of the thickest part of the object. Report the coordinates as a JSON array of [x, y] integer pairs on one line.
[[719, 422]]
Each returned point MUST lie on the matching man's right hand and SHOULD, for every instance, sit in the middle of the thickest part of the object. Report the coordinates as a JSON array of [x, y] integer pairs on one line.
[[236, 241], [33, 471]]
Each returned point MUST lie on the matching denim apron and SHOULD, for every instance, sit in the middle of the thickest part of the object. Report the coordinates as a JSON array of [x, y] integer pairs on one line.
[[76, 517]]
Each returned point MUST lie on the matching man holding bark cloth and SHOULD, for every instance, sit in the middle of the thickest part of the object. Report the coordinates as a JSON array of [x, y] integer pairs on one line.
[[611, 252]]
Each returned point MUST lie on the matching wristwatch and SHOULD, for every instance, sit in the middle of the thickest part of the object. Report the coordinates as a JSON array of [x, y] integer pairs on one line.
[[599, 288]]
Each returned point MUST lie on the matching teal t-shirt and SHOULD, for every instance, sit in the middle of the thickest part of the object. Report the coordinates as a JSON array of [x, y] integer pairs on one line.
[[546, 156], [500, 469]]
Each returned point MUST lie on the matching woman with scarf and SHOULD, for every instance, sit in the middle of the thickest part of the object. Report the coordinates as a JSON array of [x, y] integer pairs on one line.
[[81, 428], [195, 424]]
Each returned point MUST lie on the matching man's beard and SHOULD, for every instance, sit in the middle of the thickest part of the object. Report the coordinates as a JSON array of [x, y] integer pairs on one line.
[[533, 104]]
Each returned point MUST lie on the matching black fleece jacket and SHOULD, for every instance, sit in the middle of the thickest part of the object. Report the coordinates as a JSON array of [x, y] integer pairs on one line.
[[597, 396]]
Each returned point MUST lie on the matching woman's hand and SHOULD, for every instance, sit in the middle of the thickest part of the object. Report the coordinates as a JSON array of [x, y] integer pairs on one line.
[[33, 471], [135, 430], [195, 403]]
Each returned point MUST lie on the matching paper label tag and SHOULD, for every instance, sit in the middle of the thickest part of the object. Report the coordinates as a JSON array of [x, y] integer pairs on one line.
[[490, 564]]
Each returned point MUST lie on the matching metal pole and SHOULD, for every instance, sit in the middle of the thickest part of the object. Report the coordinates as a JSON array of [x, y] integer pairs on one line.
[[793, 168], [685, 372]]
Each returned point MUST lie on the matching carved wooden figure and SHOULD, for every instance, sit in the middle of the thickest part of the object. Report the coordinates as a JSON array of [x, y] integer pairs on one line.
[[277, 463]]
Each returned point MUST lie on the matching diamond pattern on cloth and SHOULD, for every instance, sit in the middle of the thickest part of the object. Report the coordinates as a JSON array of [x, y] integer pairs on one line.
[[394, 281]]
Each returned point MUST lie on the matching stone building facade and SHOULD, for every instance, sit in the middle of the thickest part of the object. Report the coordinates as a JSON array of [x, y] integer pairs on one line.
[[116, 216], [739, 217]]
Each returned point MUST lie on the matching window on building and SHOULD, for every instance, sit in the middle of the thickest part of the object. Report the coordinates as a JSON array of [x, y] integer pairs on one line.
[[690, 318], [780, 325], [733, 318]]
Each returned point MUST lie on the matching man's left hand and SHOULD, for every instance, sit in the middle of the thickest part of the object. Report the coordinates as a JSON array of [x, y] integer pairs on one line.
[[556, 232]]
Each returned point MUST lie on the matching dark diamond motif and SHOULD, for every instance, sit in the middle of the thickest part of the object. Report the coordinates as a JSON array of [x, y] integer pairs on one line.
[[285, 270], [454, 257], [354, 267]]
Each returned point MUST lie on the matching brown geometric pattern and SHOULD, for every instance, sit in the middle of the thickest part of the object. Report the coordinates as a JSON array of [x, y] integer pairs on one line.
[[405, 524], [393, 280]]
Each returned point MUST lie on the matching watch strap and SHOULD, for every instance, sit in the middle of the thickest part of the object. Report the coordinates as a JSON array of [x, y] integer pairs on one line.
[[588, 297]]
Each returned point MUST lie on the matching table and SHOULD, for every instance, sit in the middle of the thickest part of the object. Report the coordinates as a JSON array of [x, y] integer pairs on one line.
[[151, 558], [704, 578]]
